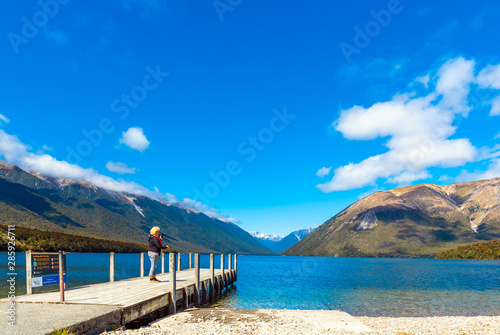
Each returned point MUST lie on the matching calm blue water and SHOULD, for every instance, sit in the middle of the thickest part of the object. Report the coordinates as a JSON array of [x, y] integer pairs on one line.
[[359, 286]]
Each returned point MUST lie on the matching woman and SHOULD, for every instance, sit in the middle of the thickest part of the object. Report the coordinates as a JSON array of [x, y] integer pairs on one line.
[[155, 247]]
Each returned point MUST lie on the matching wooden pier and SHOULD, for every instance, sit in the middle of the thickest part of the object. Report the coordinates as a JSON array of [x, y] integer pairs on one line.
[[137, 297]]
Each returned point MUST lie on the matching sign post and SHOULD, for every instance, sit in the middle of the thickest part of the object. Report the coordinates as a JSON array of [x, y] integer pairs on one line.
[[29, 273], [61, 275]]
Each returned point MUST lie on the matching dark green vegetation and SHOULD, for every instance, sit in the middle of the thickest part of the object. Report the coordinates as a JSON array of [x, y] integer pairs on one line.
[[486, 251], [414, 221], [79, 208], [39, 240]]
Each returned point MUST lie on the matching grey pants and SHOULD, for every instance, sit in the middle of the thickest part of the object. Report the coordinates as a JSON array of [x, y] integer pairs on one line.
[[154, 260]]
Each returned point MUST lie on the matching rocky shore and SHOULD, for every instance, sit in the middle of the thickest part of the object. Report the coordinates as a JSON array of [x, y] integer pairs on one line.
[[275, 322]]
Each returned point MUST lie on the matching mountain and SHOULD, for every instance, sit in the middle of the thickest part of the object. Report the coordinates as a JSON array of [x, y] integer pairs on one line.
[[78, 207], [278, 243], [290, 240], [46, 241], [413, 221], [269, 240]]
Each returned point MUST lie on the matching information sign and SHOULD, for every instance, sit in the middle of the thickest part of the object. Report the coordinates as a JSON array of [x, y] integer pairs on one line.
[[45, 268], [46, 263]]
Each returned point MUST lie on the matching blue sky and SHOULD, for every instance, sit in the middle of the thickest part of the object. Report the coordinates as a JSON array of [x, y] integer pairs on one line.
[[277, 114]]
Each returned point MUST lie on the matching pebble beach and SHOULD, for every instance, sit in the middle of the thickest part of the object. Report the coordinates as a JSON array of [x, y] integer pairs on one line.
[[273, 322]]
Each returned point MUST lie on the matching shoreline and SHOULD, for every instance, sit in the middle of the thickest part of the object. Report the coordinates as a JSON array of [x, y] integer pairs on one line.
[[214, 320]]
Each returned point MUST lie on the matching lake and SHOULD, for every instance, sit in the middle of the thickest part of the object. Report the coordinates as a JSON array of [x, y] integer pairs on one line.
[[359, 286]]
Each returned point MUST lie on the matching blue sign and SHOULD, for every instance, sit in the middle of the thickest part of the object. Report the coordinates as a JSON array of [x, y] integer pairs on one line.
[[51, 280], [46, 280]]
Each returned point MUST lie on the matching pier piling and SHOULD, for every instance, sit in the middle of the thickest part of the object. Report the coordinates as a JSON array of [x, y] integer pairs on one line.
[[111, 266], [142, 264], [173, 286]]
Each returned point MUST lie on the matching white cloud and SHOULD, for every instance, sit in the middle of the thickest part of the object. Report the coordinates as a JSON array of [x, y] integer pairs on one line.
[[120, 168], [493, 171], [489, 77], [495, 106], [424, 80], [418, 129], [454, 79], [13, 151], [324, 171], [11, 147], [407, 177], [191, 204], [3, 119], [44, 149], [49, 166], [134, 138]]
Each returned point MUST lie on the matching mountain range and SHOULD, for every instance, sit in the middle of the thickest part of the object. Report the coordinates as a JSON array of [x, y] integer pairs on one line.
[[278, 243], [412, 221], [74, 207]]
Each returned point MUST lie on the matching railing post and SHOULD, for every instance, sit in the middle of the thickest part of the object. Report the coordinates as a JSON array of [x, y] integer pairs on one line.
[[162, 262], [173, 286], [229, 268], [197, 279], [61, 275], [226, 277], [178, 262], [142, 264], [29, 274], [190, 257], [222, 272], [212, 276], [235, 267], [111, 266]]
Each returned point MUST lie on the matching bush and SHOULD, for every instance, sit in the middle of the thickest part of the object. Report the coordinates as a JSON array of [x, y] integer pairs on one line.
[[482, 251]]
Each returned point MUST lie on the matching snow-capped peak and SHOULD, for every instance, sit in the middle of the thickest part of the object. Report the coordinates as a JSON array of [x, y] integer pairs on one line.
[[270, 237], [300, 234]]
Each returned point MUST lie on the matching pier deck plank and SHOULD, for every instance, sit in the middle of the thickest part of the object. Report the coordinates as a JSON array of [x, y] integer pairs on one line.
[[123, 293]]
